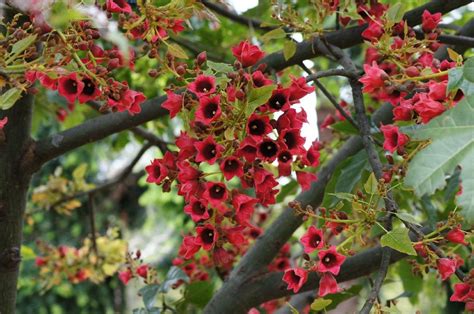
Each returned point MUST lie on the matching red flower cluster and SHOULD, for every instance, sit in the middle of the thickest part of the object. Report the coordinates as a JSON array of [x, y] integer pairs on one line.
[[464, 292], [239, 140], [328, 264]]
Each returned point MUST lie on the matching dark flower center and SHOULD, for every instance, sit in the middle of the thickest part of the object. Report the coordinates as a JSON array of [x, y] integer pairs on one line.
[[315, 240], [290, 140], [71, 86], [284, 156], [209, 151], [258, 81], [277, 101], [157, 171], [207, 236], [254, 233], [311, 157], [89, 87], [257, 127], [210, 110], [217, 192], [203, 86], [121, 3], [268, 149], [294, 277], [231, 165], [329, 259], [198, 208], [281, 265]]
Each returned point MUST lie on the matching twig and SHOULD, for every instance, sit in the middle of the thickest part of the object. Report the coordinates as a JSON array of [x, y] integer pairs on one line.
[[330, 97]]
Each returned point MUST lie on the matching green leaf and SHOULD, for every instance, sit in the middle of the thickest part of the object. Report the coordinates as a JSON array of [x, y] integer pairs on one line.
[[343, 196], [455, 78], [371, 186], [9, 98], [199, 293], [320, 304], [257, 97], [337, 298], [23, 44], [407, 217], [399, 240], [274, 34], [289, 49], [411, 283], [452, 144], [27, 253], [468, 69], [148, 294], [395, 12], [220, 67], [176, 51], [80, 172], [174, 275], [344, 127]]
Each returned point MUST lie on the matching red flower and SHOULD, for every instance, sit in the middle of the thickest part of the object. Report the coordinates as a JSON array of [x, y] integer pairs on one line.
[[305, 179], [189, 179], [244, 206], [394, 139], [291, 120], [337, 227], [3, 122], [428, 108], [89, 92], [312, 239], [125, 276], [70, 87], [206, 236], [216, 194], [173, 103], [185, 145], [209, 109], [285, 160], [247, 53], [461, 292], [299, 88], [295, 278], [373, 32], [258, 125], [330, 261], [231, 167], [437, 91], [142, 270], [248, 149], [40, 261], [292, 139], [327, 285], [446, 267], [259, 79], [203, 85], [311, 158], [328, 120], [374, 78], [403, 112], [456, 236], [197, 209], [133, 100], [280, 100], [188, 247], [429, 21], [118, 6], [208, 150], [157, 171], [267, 150]]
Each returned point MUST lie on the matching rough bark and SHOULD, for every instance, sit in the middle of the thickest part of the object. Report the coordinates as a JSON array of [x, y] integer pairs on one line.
[[14, 181]]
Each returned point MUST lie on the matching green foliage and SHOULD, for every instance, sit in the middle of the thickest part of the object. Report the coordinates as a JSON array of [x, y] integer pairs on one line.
[[257, 97], [398, 239], [9, 98], [452, 144]]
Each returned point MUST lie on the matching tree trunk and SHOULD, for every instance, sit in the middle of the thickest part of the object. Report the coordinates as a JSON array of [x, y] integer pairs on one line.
[[15, 174]]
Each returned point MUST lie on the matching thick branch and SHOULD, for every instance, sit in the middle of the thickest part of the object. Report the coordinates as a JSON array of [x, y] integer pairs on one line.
[[466, 31], [96, 129]]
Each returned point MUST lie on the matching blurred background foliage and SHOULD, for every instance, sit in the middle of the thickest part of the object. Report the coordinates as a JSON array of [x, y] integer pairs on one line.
[[153, 221]]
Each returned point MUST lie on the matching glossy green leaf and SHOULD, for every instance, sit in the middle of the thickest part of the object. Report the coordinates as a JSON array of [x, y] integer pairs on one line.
[[395, 12], [277, 33], [452, 144], [468, 69], [220, 67], [176, 51], [258, 96], [174, 275], [289, 49], [9, 98], [320, 304], [27, 253], [399, 240], [23, 44], [199, 293], [371, 185], [148, 294], [455, 78]]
